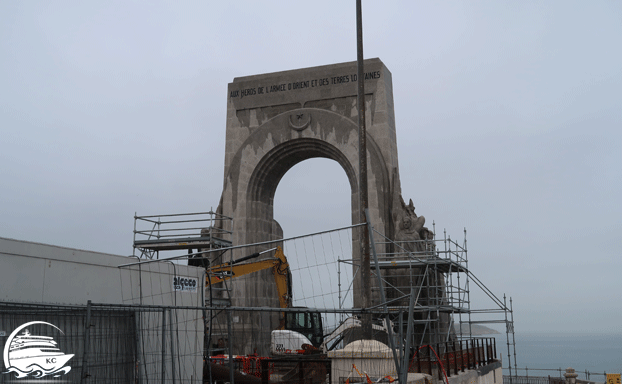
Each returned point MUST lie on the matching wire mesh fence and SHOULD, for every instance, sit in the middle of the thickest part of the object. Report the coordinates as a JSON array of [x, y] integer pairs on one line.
[[98, 343], [551, 375], [532, 380]]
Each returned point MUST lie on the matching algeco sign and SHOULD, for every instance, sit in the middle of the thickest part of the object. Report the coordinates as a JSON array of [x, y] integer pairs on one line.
[[185, 284]]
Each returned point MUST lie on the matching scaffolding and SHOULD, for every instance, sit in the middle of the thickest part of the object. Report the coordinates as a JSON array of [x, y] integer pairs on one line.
[[423, 288], [181, 231], [435, 272]]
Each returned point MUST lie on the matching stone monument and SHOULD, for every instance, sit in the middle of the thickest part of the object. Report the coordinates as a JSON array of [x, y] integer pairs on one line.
[[275, 121]]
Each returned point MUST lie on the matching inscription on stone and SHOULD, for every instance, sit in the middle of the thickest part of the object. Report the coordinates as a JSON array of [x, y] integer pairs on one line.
[[302, 84]]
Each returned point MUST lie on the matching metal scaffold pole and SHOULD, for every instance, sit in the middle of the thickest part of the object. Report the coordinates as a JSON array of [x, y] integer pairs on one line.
[[513, 338], [507, 335], [383, 298]]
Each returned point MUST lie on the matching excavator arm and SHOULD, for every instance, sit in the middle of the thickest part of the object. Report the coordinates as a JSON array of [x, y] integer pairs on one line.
[[280, 270], [290, 323]]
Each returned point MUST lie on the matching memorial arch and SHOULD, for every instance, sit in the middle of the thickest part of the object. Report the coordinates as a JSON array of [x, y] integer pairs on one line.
[[276, 120]]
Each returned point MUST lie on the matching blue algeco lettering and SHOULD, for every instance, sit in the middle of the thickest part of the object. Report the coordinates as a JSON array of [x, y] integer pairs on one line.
[[182, 282]]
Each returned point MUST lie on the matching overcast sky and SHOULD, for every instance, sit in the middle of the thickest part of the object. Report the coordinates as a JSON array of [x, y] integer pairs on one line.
[[508, 115]]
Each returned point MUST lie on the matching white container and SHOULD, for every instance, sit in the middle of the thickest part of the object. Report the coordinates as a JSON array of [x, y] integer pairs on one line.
[[369, 357]]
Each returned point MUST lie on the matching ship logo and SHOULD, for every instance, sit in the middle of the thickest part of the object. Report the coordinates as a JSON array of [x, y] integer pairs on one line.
[[34, 356]]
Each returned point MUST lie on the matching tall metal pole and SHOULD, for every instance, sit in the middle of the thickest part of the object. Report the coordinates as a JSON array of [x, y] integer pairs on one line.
[[87, 327], [230, 336], [513, 339], [364, 203], [163, 345], [409, 335], [170, 320]]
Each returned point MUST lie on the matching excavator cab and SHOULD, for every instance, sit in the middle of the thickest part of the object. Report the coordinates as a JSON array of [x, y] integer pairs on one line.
[[309, 324], [304, 321]]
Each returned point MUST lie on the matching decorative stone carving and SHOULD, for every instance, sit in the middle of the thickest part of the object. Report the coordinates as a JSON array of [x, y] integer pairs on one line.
[[413, 237], [299, 121], [410, 230]]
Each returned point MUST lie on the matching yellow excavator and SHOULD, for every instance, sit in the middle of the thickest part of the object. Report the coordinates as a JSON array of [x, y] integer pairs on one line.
[[304, 322], [237, 268]]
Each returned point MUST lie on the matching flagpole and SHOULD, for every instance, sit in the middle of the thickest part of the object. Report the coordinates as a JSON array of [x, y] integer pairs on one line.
[[364, 203]]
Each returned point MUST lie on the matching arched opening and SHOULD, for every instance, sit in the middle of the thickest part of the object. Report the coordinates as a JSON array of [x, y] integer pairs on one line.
[[313, 196], [273, 167]]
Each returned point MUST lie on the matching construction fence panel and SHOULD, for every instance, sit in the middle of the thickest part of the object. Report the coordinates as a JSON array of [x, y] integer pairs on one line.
[[86, 344], [97, 343]]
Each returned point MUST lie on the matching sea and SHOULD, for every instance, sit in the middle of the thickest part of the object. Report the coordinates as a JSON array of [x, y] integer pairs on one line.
[[544, 354]]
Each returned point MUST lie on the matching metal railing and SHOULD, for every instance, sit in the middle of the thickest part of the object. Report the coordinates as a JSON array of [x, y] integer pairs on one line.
[[154, 233], [554, 375], [532, 380], [453, 357]]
